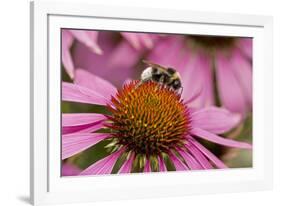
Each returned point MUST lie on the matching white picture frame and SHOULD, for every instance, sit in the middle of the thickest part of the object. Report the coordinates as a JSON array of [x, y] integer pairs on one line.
[[46, 184]]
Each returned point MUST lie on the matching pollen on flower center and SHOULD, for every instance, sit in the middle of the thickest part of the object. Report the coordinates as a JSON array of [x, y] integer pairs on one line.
[[149, 119]]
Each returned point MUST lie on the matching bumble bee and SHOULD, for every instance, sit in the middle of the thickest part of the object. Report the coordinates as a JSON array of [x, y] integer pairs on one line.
[[163, 75]]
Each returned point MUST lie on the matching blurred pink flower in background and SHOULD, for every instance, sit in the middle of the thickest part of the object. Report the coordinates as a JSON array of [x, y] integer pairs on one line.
[[103, 52], [209, 62], [129, 107]]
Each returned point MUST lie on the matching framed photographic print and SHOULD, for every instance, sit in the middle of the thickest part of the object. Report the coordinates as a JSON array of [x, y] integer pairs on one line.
[[170, 103]]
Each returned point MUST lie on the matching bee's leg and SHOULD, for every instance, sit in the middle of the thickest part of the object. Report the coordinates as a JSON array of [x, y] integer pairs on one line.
[[138, 84], [162, 79], [141, 82], [180, 91]]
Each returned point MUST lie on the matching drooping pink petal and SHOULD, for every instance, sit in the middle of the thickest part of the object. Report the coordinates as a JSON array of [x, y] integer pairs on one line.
[[229, 86], [242, 70], [127, 165], [139, 40], [214, 119], [194, 96], [246, 46], [147, 167], [103, 166], [75, 119], [94, 36], [199, 156], [179, 165], [169, 52], [69, 170], [67, 61], [132, 38], [219, 140], [95, 83], [197, 78], [75, 93], [89, 38], [124, 56], [85, 128], [67, 38], [162, 166], [219, 164], [77, 142], [190, 160], [146, 40]]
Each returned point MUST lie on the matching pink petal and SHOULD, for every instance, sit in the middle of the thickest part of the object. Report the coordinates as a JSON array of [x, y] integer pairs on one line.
[[194, 96], [85, 128], [215, 120], [77, 142], [132, 38], [140, 40], [246, 46], [191, 162], [89, 38], [168, 52], [94, 83], [179, 165], [147, 167], [66, 43], [229, 85], [124, 56], [67, 62], [103, 166], [197, 78], [146, 40], [243, 73], [127, 166], [93, 35], [67, 38], [69, 170], [76, 93], [219, 140], [199, 156], [75, 119], [162, 166], [208, 154]]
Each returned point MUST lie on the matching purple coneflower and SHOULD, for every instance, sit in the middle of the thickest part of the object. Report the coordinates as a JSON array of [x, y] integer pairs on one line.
[[148, 125], [210, 64]]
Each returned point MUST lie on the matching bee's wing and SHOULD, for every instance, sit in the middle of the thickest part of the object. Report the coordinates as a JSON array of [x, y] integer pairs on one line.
[[149, 63]]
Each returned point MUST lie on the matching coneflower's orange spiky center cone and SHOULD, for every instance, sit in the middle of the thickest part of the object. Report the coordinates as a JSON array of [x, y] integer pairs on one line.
[[149, 119]]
